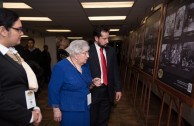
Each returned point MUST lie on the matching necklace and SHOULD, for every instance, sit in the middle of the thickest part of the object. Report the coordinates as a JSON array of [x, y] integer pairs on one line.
[[79, 72], [74, 65]]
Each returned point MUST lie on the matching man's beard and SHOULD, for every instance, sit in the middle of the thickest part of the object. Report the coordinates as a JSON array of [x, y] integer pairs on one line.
[[102, 46]]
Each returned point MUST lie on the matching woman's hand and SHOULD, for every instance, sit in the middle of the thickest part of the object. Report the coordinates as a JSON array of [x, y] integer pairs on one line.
[[97, 82], [57, 114], [38, 120]]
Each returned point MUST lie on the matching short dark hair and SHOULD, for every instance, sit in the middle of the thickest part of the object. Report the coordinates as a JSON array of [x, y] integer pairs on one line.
[[45, 46], [8, 18], [31, 39], [97, 31]]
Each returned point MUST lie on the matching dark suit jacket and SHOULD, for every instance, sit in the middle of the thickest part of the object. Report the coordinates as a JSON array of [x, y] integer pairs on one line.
[[114, 83], [13, 84]]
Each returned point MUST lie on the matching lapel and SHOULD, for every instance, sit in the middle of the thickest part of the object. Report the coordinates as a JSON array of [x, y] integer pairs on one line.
[[108, 57], [9, 59], [94, 55]]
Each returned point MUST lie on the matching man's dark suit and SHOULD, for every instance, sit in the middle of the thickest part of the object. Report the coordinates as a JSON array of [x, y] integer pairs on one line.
[[13, 84], [114, 84]]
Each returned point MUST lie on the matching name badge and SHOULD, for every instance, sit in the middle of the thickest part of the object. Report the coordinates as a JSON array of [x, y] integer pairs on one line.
[[30, 99], [89, 99]]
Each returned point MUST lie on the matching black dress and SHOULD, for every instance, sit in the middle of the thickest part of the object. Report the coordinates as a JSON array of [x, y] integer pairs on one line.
[[61, 54]]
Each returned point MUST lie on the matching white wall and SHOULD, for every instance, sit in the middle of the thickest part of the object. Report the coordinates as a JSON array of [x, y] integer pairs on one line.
[[39, 42], [51, 42]]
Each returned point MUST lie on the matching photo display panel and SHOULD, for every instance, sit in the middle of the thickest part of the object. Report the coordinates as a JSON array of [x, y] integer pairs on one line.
[[176, 65], [150, 42], [139, 46], [133, 39], [130, 48]]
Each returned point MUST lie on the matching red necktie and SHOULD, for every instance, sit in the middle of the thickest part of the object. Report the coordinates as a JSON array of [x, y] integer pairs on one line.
[[104, 70]]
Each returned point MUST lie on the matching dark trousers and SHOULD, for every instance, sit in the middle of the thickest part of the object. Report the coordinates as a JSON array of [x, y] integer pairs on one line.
[[100, 109]]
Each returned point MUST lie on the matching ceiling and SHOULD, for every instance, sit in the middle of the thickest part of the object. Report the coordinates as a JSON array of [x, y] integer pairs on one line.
[[69, 14]]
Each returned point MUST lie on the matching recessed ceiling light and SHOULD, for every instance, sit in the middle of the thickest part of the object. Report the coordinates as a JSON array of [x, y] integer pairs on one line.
[[111, 30], [112, 35], [107, 4], [58, 30], [96, 18], [35, 19], [75, 37], [24, 36], [16, 5]]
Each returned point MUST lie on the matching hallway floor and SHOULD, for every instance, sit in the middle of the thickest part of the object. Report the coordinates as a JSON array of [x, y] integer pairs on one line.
[[122, 113]]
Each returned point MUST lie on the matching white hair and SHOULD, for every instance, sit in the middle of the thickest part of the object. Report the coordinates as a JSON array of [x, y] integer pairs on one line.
[[77, 46]]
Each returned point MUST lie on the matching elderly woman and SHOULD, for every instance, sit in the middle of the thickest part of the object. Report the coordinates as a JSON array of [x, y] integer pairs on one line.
[[69, 87]]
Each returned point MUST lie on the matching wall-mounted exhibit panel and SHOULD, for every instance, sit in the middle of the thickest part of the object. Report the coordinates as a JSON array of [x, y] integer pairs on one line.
[[139, 46], [133, 39], [123, 53], [176, 61], [131, 48], [150, 42]]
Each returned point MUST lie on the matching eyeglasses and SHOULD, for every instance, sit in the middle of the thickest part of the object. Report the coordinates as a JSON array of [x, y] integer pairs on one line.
[[85, 53], [19, 30]]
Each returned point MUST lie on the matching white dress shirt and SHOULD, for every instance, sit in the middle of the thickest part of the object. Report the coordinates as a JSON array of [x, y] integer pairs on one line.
[[98, 52]]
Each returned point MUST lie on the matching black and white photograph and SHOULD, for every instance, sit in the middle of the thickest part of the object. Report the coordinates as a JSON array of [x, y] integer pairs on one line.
[[150, 53], [175, 56], [133, 39], [189, 19], [169, 25], [179, 21], [151, 32], [188, 55], [165, 54], [139, 46]]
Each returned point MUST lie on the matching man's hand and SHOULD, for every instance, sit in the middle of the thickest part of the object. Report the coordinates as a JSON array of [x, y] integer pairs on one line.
[[118, 96]]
